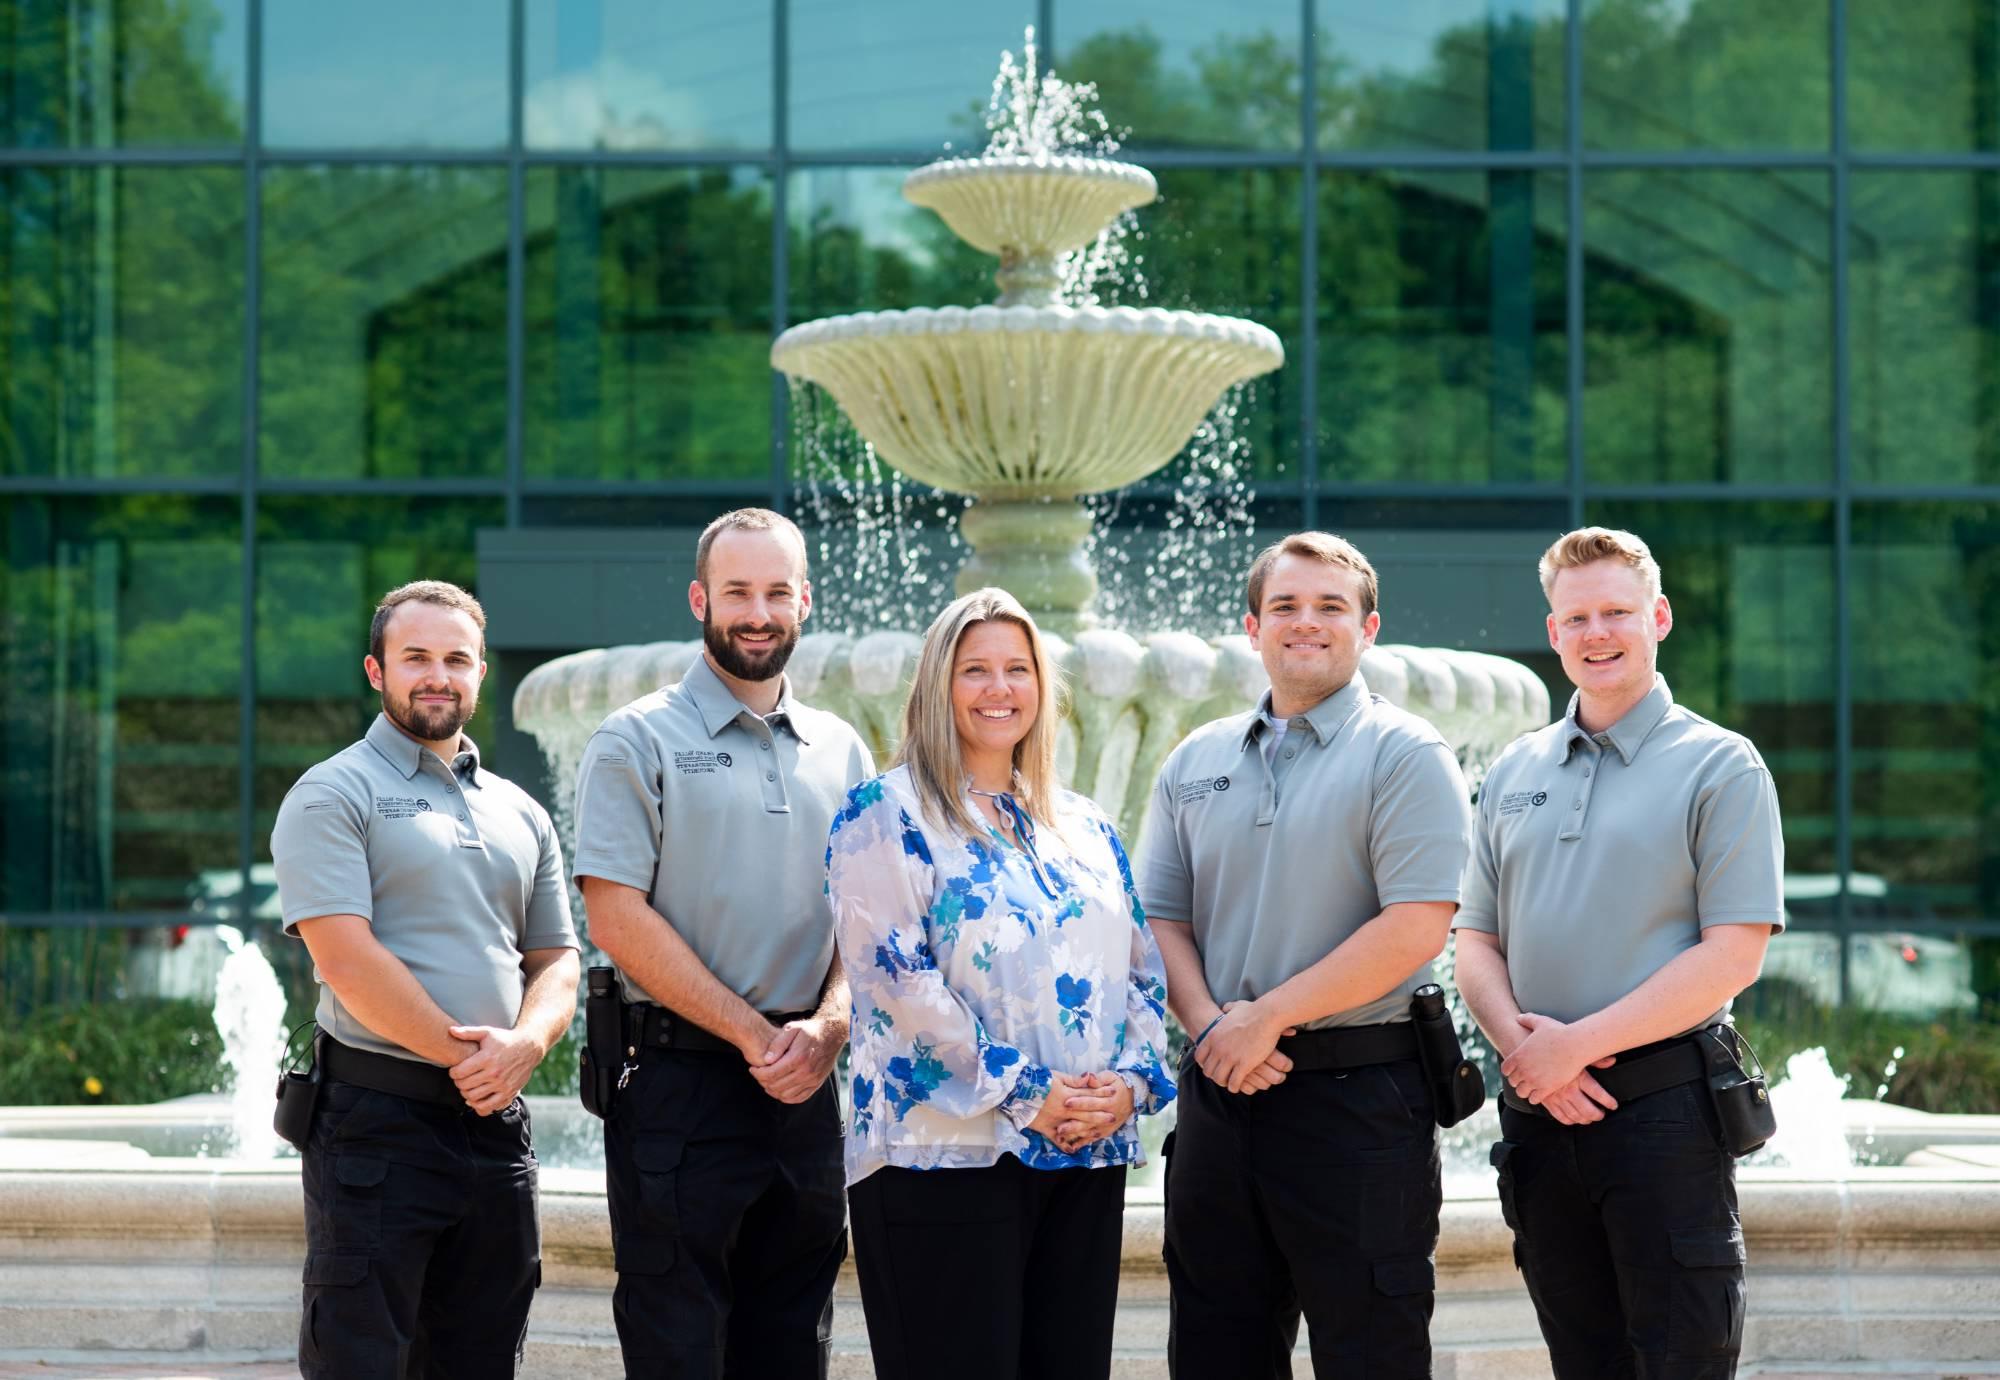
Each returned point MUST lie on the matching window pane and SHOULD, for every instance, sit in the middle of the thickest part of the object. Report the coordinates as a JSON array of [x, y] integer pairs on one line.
[[1923, 76], [1183, 74], [1751, 586], [384, 322], [896, 74], [123, 660], [1707, 320], [121, 322], [613, 76], [1926, 741], [1441, 74], [1748, 74], [109, 73], [1923, 254], [857, 245], [1441, 342], [1228, 241], [649, 323], [323, 563], [385, 74]]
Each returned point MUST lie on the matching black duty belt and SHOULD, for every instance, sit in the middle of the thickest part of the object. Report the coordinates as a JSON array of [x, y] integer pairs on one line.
[[1638, 1072], [1351, 1046], [386, 1073], [654, 1027]]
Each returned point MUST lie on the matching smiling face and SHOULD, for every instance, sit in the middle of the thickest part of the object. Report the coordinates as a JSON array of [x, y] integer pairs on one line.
[[995, 696], [1309, 630], [429, 673], [752, 603], [1607, 630]]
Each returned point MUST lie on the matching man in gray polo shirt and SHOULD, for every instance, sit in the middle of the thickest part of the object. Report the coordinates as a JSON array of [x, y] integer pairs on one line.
[[1300, 868], [701, 819], [1627, 874], [430, 893]]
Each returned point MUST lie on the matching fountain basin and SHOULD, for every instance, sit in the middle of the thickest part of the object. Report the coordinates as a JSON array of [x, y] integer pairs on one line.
[[1130, 700], [1027, 402], [179, 1262], [1030, 206]]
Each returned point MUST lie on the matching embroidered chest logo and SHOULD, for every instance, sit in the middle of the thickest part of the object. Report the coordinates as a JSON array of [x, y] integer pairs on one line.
[[1191, 791], [1517, 802], [701, 763], [401, 806]]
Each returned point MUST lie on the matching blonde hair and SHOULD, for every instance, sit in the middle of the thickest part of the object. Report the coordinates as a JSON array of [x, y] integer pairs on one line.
[[930, 747], [1323, 547], [1588, 546]]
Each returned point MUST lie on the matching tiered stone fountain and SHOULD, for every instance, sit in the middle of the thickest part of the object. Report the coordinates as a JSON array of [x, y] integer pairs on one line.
[[1025, 405]]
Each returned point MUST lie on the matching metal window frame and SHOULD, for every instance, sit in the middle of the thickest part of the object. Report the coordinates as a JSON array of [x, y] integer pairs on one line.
[[1310, 487]]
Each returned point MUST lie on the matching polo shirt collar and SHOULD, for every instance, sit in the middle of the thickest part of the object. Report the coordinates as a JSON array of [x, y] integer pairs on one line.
[[719, 709], [1632, 728], [406, 754], [1327, 717]]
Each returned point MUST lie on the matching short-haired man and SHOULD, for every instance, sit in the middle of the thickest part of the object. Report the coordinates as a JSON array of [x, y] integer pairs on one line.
[[430, 893], [1300, 869], [1626, 877], [702, 817]]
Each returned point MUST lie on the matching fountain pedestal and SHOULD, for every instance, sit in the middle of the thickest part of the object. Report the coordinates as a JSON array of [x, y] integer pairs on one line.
[[1034, 549]]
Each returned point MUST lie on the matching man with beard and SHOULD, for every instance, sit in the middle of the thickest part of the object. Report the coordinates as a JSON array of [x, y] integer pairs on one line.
[[702, 817], [430, 894]]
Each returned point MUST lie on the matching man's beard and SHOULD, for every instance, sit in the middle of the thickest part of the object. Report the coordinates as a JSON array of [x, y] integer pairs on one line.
[[429, 723], [745, 665]]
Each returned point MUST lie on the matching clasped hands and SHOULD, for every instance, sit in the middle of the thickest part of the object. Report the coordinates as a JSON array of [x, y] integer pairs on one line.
[[1549, 1068], [798, 1058], [1082, 1108], [1240, 1051], [496, 1065]]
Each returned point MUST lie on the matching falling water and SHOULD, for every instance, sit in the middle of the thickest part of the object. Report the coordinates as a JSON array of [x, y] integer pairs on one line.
[[250, 1017]]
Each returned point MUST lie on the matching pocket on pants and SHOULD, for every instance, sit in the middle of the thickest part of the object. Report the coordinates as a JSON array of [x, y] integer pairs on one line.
[[1398, 1345], [1708, 1295], [658, 1160]]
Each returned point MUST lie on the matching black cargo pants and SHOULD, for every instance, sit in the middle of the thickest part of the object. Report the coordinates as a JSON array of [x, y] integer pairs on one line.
[[422, 1246], [1319, 1196], [728, 1221], [1627, 1233]]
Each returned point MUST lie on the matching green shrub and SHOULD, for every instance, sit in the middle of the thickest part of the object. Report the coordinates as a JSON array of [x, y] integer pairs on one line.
[[1949, 1065], [113, 1052]]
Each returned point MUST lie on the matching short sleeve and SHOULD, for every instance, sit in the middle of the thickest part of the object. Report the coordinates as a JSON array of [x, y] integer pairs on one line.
[[618, 803], [1739, 853], [549, 924], [1420, 827], [1479, 897], [1166, 890], [319, 849]]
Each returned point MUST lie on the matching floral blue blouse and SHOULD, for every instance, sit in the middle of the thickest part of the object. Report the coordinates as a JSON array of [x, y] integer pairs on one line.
[[979, 968]]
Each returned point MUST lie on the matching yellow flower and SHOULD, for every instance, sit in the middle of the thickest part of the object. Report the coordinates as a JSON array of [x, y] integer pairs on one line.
[[92, 1086]]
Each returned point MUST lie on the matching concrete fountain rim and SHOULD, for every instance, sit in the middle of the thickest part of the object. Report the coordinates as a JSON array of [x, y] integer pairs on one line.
[[1070, 165], [1025, 320]]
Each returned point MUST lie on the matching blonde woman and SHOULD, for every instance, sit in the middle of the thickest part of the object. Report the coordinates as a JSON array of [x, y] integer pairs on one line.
[[1009, 1022]]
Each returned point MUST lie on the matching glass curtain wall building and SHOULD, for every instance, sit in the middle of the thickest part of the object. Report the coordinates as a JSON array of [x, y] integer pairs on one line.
[[298, 302]]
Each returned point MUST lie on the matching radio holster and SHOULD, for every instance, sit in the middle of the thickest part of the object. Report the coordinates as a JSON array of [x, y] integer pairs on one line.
[[1457, 1089], [298, 1093], [1742, 1099], [603, 1053]]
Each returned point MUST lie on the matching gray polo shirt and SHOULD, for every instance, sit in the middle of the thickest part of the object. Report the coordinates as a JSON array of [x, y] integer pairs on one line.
[[1277, 862], [722, 817], [457, 871], [1597, 858]]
